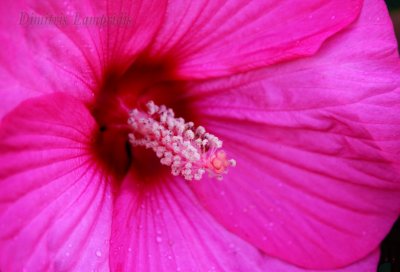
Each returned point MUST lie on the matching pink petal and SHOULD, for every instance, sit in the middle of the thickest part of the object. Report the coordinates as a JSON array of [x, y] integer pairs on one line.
[[55, 205], [38, 59], [163, 228], [215, 38], [369, 264], [316, 143]]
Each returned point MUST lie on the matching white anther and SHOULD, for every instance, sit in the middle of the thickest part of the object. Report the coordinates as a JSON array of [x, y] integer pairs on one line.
[[175, 171], [134, 112], [198, 143], [163, 118], [160, 151], [189, 125], [189, 135], [200, 131], [151, 108], [197, 177], [166, 140], [177, 158]]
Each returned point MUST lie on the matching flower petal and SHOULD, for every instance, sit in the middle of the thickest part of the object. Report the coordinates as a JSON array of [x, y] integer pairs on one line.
[[217, 38], [368, 264], [316, 143], [55, 205], [58, 47], [39, 58], [162, 227]]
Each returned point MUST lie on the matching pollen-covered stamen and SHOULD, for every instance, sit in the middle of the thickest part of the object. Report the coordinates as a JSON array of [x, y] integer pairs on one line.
[[190, 151]]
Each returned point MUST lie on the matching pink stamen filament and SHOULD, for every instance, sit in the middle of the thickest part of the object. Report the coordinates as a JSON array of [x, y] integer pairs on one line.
[[190, 151]]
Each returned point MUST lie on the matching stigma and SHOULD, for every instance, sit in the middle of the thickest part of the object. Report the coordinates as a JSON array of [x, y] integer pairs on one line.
[[188, 150]]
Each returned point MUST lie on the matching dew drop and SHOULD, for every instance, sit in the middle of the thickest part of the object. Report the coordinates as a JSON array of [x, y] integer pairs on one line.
[[98, 253], [159, 239]]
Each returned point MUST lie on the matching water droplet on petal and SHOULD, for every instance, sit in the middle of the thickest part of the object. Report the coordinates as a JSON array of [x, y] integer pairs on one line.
[[159, 239], [98, 253]]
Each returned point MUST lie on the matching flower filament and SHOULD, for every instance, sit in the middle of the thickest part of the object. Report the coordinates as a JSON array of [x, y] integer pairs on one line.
[[190, 151]]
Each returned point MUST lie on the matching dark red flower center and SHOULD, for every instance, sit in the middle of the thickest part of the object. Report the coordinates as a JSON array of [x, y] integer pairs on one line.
[[122, 90]]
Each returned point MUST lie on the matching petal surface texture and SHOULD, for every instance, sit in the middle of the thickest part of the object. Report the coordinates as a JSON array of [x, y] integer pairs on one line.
[[55, 205], [316, 143], [217, 38], [38, 58], [164, 228], [369, 264]]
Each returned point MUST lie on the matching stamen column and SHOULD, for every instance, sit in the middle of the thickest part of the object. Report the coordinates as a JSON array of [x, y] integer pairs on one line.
[[190, 151]]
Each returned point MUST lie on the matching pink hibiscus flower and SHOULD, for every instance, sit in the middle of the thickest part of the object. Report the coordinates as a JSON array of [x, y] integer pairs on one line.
[[305, 98]]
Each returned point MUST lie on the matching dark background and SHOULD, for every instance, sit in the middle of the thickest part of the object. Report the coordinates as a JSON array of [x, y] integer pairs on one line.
[[394, 8], [390, 247], [393, 4]]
